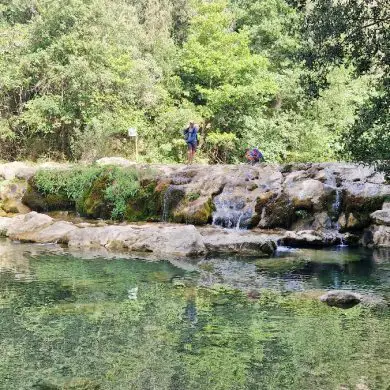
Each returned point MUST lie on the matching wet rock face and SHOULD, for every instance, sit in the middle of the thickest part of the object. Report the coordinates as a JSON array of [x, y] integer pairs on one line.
[[311, 239]]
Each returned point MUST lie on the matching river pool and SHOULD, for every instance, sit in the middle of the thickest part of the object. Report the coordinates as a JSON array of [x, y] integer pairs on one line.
[[72, 322]]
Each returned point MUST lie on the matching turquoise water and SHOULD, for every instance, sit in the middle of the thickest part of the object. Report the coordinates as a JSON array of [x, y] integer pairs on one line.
[[68, 322]]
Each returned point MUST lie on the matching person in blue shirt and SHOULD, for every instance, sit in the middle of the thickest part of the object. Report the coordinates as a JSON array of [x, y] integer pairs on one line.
[[191, 137]]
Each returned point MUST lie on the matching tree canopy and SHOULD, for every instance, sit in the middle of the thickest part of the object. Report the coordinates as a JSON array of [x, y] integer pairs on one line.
[[303, 81]]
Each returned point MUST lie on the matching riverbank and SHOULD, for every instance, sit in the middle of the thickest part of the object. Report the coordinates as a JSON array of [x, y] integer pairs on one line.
[[313, 205]]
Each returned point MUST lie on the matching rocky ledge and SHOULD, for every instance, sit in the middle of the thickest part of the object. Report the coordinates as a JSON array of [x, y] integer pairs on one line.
[[319, 204], [149, 240]]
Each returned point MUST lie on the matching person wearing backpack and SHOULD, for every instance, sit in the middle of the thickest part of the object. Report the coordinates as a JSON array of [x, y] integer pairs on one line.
[[191, 137], [253, 156]]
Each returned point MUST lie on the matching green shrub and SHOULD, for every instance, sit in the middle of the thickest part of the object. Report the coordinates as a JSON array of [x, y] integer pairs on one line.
[[220, 147], [124, 186], [113, 185]]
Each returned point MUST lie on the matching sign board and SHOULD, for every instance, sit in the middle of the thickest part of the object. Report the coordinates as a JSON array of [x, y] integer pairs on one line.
[[132, 132]]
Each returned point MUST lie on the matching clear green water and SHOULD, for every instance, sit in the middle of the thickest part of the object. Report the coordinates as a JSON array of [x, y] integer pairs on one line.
[[73, 323]]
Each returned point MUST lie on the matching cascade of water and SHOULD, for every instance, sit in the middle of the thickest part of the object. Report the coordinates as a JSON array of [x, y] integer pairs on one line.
[[167, 203], [336, 206], [230, 212], [343, 244]]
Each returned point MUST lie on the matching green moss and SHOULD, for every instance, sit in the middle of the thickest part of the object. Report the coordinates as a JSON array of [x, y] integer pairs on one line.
[[95, 192], [193, 196], [154, 202], [33, 199], [93, 203], [280, 213], [198, 212], [146, 205], [363, 204]]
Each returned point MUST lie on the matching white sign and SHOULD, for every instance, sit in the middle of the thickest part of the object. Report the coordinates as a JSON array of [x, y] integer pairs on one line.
[[132, 132]]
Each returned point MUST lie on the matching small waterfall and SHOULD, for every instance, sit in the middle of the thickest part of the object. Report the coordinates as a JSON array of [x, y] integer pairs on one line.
[[336, 206], [172, 196], [230, 212]]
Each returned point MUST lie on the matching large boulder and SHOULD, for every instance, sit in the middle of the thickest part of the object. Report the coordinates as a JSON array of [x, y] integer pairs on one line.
[[11, 194], [17, 170], [25, 227], [58, 232], [307, 194], [116, 161], [251, 243], [5, 222], [182, 241], [377, 236], [381, 217], [310, 238]]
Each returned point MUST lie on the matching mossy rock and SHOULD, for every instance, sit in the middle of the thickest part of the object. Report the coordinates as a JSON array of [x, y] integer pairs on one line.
[[37, 201], [93, 203], [146, 205], [280, 213], [198, 212], [154, 202], [362, 204]]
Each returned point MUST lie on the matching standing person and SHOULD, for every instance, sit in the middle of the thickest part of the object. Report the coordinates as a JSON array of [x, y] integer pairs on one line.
[[191, 137]]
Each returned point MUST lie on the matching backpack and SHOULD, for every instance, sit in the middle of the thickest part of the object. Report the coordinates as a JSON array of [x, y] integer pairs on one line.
[[191, 136]]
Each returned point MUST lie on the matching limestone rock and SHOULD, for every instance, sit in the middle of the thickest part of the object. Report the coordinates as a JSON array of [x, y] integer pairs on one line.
[[243, 242], [377, 236], [4, 224], [25, 227], [342, 299], [310, 238], [19, 170], [197, 212], [58, 232], [14, 206], [381, 217], [305, 194], [386, 206], [118, 161], [175, 240]]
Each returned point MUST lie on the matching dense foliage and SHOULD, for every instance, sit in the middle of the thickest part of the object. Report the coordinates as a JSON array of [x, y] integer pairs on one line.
[[297, 80]]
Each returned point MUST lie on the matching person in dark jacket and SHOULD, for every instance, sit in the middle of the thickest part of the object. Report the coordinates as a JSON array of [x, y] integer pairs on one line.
[[191, 137]]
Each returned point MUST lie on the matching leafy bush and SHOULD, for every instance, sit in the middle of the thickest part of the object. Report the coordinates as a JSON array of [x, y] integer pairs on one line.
[[72, 182], [220, 147], [124, 186], [120, 185]]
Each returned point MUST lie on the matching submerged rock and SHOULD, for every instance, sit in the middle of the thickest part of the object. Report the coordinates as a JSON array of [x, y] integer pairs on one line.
[[342, 299]]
